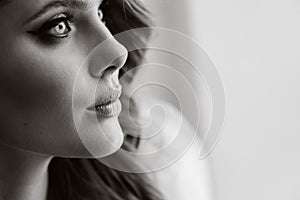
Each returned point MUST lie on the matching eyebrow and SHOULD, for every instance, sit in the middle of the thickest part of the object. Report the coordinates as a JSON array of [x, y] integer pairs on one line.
[[73, 4]]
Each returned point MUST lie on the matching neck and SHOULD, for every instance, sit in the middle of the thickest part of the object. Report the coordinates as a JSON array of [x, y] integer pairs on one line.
[[23, 174]]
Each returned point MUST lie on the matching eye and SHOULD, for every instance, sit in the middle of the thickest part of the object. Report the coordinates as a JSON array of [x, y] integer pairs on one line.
[[60, 30], [100, 14], [57, 27]]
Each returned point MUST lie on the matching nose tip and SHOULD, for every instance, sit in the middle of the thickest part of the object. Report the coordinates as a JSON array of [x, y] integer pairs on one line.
[[107, 58]]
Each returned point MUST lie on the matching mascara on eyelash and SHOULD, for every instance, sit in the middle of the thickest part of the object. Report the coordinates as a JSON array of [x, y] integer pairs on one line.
[[62, 17], [54, 21]]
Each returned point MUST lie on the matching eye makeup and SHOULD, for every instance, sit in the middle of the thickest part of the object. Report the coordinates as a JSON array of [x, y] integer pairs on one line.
[[60, 25], [55, 25]]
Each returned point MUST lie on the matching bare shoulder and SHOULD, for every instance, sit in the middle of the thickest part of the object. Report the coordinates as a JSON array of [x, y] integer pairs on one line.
[[185, 176]]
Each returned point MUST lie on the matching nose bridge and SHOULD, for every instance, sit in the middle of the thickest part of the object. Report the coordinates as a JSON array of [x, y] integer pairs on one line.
[[108, 54]]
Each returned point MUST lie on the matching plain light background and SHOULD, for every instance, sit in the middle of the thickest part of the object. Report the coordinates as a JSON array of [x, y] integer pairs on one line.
[[256, 48]]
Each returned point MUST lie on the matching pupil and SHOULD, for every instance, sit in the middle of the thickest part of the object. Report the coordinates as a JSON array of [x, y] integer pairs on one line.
[[60, 26]]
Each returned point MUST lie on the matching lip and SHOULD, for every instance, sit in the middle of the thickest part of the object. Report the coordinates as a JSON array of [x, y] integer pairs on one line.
[[107, 105], [109, 109]]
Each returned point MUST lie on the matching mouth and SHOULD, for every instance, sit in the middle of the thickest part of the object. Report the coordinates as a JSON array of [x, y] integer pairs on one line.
[[108, 105]]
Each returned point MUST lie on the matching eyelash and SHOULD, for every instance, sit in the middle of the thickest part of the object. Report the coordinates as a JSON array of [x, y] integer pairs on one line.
[[63, 19], [60, 20]]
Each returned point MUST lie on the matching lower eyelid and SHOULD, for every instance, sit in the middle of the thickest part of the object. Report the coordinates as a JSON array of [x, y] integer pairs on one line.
[[44, 30], [52, 40], [48, 39]]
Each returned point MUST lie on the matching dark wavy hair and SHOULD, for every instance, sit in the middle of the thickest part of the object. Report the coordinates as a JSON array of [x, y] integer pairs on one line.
[[89, 179]]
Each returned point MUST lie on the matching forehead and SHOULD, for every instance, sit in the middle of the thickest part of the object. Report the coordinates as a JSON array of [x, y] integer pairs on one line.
[[35, 4], [5, 2]]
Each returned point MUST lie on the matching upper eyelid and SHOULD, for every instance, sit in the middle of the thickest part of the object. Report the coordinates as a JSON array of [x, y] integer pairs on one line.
[[58, 5], [48, 24], [56, 20], [69, 16], [71, 4]]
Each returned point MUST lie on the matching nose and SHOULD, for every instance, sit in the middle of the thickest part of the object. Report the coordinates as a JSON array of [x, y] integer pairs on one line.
[[108, 55]]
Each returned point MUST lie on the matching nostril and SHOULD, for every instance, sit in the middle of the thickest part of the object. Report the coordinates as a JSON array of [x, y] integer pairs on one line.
[[109, 70]]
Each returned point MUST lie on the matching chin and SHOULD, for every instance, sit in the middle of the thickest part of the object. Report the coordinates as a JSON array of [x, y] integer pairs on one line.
[[100, 136]]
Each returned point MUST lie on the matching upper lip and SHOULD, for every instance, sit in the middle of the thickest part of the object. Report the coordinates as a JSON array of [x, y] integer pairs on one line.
[[110, 96]]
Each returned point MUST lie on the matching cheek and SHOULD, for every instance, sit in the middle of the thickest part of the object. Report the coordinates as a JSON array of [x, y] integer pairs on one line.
[[36, 101], [37, 104], [32, 82]]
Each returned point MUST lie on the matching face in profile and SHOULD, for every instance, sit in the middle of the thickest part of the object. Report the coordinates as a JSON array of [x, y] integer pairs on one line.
[[56, 97]]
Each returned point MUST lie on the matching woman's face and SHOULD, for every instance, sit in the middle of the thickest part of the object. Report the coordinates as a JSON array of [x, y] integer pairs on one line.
[[49, 83]]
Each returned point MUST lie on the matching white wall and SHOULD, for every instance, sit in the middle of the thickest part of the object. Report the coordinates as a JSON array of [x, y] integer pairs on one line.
[[256, 47]]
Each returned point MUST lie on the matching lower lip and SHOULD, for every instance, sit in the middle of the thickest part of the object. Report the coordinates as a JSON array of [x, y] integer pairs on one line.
[[109, 110]]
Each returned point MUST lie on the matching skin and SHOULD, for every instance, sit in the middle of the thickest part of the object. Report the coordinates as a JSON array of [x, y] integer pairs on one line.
[[42, 114]]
